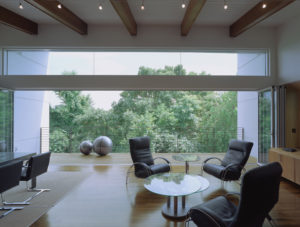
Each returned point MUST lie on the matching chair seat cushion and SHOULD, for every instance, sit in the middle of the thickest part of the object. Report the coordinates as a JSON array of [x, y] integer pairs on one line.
[[218, 171], [213, 169], [160, 168], [218, 211], [142, 173]]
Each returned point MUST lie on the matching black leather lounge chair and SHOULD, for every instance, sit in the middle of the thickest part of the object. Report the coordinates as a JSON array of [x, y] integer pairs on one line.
[[230, 168], [259, 194], [143, 161]]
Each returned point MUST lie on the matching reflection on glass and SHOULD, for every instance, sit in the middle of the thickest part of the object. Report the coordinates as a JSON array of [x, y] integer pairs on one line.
[[186, 157], [265, 123], [173, 184], [229, 63]]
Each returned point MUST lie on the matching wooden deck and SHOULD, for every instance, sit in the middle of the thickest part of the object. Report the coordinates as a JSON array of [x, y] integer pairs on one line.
[[103, 199]]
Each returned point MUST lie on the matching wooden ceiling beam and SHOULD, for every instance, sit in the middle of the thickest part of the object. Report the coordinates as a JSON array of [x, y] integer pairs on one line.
[[63, 15], [16, 21], [256, 15], [191, 13], [124, 12]]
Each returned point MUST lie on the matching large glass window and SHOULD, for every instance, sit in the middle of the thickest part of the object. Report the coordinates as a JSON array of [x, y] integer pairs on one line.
[[210, 63], [176, 121], [6, 120]]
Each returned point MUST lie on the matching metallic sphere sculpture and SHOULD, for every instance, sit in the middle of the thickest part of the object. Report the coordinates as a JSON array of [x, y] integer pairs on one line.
[[102, 145], [86, 147]]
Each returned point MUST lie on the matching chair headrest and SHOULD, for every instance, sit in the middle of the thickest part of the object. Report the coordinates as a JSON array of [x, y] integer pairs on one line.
[[240, 145], [139, 142]]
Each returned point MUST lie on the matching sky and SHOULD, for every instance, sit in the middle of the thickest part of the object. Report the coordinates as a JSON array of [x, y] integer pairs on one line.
[[128, 63]]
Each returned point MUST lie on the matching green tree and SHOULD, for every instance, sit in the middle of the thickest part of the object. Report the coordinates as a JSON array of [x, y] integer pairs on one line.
[[176, 121], [64, 116]]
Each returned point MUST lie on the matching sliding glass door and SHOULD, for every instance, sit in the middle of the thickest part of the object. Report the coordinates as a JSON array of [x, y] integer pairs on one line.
[[6, 120], [266, 123]]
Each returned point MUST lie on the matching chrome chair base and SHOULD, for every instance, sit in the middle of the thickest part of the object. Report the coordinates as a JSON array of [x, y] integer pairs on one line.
[[25, 202], [10, 209], [39, 191]]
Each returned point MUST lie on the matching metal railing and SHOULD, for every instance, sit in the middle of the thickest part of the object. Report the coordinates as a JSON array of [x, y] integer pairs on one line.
[[207, 140]]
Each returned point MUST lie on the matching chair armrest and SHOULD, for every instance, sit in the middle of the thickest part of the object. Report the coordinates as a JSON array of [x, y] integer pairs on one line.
[[166, 160], [227, 168], [206, 160], [144, 166]]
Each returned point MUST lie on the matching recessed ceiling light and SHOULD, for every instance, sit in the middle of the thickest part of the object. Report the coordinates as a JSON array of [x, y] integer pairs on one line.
[[264, 5], [100, 7], [225, 5], [182, 5], [142, 6], [59, 6], [21, 6]]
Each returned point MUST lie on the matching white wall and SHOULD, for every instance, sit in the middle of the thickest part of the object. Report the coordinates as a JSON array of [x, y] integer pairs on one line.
[[115, 36], [31, 111], [247, 102], [289, 52], [27, 120], [248, 118]]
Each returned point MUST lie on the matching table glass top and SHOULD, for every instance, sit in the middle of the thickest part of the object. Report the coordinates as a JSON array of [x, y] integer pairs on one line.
[[175, 184], [186, 157]]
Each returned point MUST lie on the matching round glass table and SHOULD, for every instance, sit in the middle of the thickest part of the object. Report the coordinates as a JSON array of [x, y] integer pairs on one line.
[[175, 185], [186, 158]]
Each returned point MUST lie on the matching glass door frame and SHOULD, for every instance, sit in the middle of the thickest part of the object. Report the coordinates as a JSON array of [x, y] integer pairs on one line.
[[274, 123]]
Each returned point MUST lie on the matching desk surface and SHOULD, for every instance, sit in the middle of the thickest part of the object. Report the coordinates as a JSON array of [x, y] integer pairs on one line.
[[6, 157]]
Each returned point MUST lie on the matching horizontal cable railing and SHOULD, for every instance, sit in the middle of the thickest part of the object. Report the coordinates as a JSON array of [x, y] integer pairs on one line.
[[207, 140]]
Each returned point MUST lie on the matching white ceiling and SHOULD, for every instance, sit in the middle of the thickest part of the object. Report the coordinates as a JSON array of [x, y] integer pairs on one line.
[[157, 12]]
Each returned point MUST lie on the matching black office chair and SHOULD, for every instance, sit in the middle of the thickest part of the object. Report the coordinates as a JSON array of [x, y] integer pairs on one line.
[[143, 161], [36, 165], [259, 194], [9, 178], [231, 166]]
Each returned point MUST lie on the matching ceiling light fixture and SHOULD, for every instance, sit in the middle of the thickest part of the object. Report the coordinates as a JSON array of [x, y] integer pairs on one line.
[[264, 5], [225, 5], [59, 6], [183, 4], [143, 6], [100, 6], [21, 6]]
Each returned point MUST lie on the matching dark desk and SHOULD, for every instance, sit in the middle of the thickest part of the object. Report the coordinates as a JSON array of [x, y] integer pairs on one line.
[[7, 157]]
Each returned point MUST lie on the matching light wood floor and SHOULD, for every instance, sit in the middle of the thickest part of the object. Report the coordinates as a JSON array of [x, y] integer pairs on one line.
[[103, 199]]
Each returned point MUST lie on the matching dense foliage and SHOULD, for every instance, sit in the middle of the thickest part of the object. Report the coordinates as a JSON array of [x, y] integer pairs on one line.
[[176, 121], [6, 120]]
